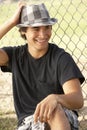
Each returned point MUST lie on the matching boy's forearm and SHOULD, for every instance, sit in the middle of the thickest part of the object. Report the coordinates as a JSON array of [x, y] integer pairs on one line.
[[71, 101], [6, 27]]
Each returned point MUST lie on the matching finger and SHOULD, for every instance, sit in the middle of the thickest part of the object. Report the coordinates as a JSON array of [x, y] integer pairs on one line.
[[45, 118], [21, 3], [49, 113], [42, 109], [36, 113]]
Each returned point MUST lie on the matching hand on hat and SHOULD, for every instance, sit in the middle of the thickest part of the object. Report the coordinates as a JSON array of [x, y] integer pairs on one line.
[[15, 18]]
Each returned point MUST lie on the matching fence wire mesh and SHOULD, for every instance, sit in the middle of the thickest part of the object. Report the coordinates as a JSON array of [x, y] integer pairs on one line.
[[69, 33]]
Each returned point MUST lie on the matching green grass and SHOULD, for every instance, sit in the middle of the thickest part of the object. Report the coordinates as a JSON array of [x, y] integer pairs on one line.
[[8, 123]]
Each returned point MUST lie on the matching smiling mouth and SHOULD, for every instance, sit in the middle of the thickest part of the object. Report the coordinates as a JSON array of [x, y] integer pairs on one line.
[[41, 42]]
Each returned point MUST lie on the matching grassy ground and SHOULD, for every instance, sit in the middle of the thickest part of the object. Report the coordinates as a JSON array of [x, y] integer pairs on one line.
[[8, 122]]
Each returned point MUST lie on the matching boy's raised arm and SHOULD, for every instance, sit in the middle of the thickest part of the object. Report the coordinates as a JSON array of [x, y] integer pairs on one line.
[[4, 28], [13, 21]]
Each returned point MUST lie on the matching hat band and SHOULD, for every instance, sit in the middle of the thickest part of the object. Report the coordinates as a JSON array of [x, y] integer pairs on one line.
[[44, 20]]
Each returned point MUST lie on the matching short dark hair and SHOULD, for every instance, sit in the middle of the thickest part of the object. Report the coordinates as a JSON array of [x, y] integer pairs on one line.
[[21, 30]]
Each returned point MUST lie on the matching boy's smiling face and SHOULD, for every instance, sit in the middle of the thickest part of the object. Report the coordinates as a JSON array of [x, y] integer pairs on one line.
[[38, 38]]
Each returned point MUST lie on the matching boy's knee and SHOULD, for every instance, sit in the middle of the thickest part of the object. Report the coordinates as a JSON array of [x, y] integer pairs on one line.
[[57, 114], [59, 119]]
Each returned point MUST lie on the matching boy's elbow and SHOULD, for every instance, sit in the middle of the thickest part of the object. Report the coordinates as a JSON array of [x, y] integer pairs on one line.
[[81, 102]]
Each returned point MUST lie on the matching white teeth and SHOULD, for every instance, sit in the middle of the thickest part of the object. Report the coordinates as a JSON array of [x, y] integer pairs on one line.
[[41, 40]]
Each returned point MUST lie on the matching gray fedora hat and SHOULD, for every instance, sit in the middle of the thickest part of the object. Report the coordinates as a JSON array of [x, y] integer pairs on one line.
[[35, 15]]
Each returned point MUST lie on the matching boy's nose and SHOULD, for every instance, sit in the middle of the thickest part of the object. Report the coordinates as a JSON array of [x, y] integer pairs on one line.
[[42, 33]]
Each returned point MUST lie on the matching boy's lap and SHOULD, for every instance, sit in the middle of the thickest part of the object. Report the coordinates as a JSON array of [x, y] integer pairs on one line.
[[28, 122]]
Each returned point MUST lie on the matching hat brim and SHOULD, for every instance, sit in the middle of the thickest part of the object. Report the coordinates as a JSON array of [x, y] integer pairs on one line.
[[52, 21]]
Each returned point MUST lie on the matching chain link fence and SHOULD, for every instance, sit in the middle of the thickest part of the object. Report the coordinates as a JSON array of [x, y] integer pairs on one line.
[[70, 33]]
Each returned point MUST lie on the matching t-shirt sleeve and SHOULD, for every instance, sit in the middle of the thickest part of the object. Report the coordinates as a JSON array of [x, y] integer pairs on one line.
[[68, 69], [9, 51]]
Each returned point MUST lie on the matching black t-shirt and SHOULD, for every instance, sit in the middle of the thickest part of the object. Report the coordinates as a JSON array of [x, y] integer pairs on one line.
[[34, 79]]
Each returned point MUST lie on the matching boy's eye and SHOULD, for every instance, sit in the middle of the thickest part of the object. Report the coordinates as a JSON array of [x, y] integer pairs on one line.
[[36, 28], [44, 27]]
